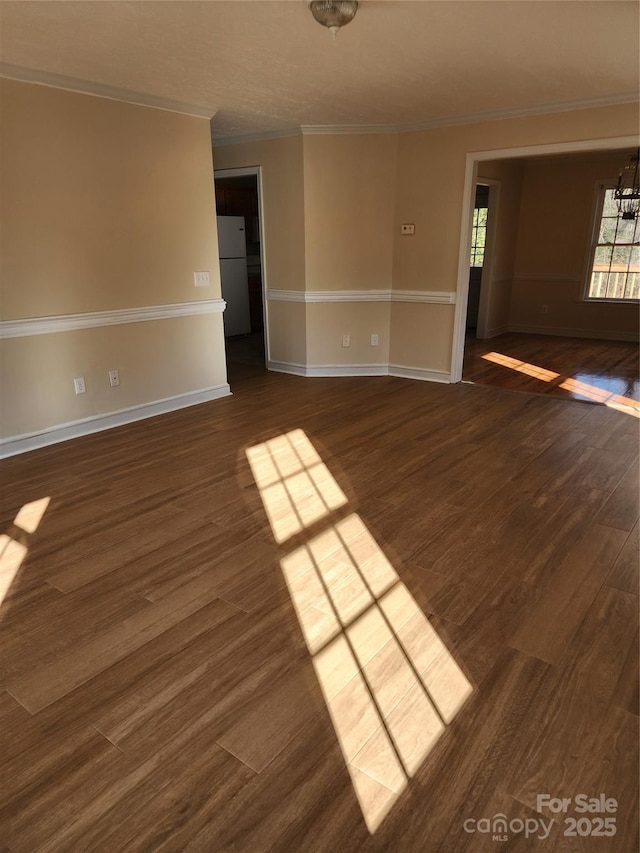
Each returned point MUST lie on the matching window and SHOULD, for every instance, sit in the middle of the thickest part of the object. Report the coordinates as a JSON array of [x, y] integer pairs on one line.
[[478, 236], [614, 270]]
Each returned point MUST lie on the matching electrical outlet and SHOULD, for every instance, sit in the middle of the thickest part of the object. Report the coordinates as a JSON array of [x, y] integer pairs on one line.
[[408, 228], [375, 340], [114, 378], [78, 384], [201, 279], [346, 340]]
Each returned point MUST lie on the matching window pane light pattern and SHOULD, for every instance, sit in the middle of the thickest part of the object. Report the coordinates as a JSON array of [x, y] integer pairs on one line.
[[478, 236], [390, 684], [615, 273], [13, 551]]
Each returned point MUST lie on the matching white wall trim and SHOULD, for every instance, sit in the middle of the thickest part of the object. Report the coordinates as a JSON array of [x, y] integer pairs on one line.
[[405, 372], [347, 370], [221, 141], [310, 296], [351, 129], [98, 423], [577, 147], [347, 296], [99, 90], [93, 319], [565, 332], [291, 367], [431, 124], [332, 370], [431, 296], [286, 295], [494, 333], [523, 112]]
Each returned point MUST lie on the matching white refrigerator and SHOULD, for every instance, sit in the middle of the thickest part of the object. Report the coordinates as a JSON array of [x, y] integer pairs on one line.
[[233, 272]]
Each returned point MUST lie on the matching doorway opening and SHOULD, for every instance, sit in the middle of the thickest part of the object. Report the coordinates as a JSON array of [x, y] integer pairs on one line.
[[238, 208], [550, 333]]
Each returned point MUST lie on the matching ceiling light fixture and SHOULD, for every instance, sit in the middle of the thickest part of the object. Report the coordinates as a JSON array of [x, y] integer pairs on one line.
[[627, 192], [334, 14]]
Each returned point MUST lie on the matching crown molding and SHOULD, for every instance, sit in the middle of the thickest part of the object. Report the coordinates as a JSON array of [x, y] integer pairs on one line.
[[351, 129], [100, 90], [220, 141], [522, 112], [432, 124], [94, 319]]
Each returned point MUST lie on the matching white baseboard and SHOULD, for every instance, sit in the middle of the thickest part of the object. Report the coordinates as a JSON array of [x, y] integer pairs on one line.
[[494, 333], [419, 373], [329, 370], [287, 367], [97, 423], [347, 370], [633, 337]]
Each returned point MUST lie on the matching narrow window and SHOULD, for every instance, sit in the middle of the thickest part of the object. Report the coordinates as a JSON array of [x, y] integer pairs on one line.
[[614, 271], [478, 236]]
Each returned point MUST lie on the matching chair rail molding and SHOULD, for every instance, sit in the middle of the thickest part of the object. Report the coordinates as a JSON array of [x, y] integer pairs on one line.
[[93, 319]]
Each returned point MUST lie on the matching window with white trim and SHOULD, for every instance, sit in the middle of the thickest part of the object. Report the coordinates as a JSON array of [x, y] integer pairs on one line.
[[614, 268]]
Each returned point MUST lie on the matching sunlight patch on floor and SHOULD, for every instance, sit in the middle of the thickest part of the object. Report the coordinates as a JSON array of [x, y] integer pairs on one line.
[[575, 386], [296, 487], [13, 552], [521, 366], [390, 684]]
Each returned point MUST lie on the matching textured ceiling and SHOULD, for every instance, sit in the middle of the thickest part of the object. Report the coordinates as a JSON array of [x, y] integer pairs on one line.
[[266, 65]]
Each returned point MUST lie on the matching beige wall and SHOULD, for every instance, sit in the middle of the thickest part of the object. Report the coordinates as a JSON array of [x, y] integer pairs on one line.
[[105, 205], [431, 171], [349, 185], [327, 322], [349, 196], [504, 216], [287, 332], [553, 248], [157, 359], [421, 336]]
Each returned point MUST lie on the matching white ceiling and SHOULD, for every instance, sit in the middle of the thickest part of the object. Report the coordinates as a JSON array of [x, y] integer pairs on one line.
[[267, 66]]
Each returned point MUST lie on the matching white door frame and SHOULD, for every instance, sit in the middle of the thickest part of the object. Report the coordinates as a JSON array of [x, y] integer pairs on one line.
[[468, 200], [257, 171]]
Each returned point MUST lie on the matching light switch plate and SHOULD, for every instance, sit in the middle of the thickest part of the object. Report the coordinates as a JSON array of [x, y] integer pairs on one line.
[[201, 279], [408, 228]]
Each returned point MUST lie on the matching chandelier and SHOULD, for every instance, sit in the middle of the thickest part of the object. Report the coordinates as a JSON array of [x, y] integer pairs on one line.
[[627, 191], [333, 14]]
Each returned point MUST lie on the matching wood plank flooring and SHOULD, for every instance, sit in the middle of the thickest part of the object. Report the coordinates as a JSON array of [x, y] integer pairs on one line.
[[157, 688], [573, 368]]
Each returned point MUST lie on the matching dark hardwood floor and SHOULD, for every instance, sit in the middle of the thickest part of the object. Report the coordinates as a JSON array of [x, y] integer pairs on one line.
[[409, 608], [573, 368]]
